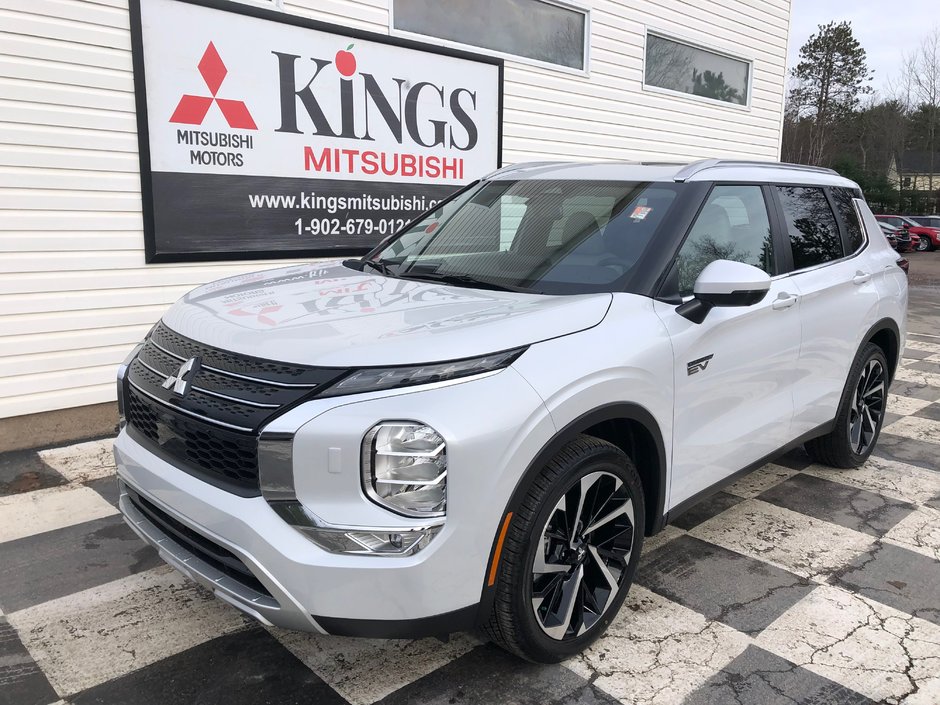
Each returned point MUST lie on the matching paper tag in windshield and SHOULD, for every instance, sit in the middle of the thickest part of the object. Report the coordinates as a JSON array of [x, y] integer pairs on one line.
[[640, 212]]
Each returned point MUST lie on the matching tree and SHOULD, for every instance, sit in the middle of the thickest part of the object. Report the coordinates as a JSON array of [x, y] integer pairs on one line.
[[922, 70], [713, 85], [829, 79]]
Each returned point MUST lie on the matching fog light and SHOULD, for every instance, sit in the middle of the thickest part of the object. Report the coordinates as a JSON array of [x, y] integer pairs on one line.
[[399, 543], [404, 468]]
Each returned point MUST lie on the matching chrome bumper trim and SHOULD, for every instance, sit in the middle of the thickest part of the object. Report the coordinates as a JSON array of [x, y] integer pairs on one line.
[[190, 565], [246, 599]]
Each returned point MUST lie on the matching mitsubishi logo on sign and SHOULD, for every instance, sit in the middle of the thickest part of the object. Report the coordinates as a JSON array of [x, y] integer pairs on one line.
[[181, 382], [192, 109], [266, 134]]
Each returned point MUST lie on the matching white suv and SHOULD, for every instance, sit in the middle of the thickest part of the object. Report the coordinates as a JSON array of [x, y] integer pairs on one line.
[[477, 423]]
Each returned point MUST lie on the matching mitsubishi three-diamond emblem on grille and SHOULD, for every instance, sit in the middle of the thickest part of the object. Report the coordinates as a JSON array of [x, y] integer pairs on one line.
[[181, 382]]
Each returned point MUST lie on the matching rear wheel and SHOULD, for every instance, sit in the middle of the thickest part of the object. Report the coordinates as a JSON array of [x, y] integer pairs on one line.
[[570, 553], [861, 413]]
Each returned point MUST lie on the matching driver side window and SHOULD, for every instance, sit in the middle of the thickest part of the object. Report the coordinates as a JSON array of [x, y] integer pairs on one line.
[[734, 225]]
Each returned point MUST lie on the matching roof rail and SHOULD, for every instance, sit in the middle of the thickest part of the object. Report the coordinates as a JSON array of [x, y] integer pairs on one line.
[[689, 171], [517, 166]]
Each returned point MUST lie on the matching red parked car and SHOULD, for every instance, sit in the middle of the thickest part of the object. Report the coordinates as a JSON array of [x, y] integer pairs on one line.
[[929, 237]]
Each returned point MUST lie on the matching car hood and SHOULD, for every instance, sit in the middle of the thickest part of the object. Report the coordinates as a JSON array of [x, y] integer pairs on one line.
[[330, 315]]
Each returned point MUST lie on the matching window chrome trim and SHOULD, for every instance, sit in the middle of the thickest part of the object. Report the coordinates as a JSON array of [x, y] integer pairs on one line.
[[779, 277], [844, 258], [696, 44], [823, 264], [861, 224], [585, 10]]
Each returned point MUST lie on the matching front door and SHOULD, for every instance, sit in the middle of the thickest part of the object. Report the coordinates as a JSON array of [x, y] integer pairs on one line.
[[734, 372]]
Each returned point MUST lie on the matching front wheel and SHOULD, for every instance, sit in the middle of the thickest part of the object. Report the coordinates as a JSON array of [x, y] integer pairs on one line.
[[570, 553], [924, 245], [861, 413]]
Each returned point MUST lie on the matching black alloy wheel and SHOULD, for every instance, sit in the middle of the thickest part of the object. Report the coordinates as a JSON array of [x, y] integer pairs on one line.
[[861, 414], [571, 550], [868, 407], [586, 546]]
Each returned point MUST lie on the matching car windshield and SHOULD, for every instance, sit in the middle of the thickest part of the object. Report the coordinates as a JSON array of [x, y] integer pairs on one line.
[[538, 236]]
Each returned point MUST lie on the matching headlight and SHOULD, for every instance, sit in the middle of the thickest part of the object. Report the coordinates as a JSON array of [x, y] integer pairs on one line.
[[377, 378], [404, 468]]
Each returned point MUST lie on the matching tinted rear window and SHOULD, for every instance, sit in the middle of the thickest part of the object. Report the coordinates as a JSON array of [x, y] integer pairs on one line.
[[843, 200], [811, 226]]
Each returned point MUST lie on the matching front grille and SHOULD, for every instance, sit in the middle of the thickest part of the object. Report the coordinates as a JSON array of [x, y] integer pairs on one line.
[[212, 432], [209, 551], [268, 370], [208, 452]]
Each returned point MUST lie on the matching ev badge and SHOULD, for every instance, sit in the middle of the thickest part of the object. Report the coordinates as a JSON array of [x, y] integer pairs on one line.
[[698, 365], [182, 381]]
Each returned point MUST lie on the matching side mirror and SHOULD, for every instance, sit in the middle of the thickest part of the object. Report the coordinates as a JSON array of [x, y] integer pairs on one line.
[[725, 283]]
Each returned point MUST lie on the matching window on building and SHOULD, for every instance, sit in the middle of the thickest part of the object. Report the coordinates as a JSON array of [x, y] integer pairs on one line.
[[811, 225], [733, 225], [845, 205], [534, 29], [681, 67]]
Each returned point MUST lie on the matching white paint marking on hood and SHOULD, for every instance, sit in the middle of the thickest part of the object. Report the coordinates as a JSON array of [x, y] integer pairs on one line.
[[330, 315]]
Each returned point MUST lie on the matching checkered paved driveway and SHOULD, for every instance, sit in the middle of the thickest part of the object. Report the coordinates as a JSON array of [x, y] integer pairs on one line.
[[798, 584]]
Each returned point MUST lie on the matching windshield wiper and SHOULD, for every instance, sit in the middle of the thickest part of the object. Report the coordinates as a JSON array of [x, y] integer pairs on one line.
[[468, 281], [358, 265]]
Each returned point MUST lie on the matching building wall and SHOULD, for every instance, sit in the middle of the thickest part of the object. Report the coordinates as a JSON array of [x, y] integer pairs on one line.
[[75, 293]]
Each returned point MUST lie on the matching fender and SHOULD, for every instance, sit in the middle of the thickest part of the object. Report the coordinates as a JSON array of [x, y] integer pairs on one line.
[[618, 410], [885, 324]]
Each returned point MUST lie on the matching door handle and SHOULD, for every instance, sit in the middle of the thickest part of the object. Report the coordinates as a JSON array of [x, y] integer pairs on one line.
[[783, 300], [861, 277]]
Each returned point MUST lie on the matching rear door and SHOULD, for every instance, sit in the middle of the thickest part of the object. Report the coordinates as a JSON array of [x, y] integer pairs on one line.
[[838, 292], [734, 372]]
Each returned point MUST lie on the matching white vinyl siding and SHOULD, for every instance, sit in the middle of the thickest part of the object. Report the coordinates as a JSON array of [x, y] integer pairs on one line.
[[75, 293]]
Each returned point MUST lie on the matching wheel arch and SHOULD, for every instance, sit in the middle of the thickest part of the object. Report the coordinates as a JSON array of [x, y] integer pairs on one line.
[[887, 336], [630, 427]]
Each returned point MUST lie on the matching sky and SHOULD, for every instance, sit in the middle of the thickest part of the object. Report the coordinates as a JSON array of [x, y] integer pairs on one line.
[[884, 28]]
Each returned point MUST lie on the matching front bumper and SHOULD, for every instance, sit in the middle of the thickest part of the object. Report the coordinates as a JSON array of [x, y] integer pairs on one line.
[[303, 586]]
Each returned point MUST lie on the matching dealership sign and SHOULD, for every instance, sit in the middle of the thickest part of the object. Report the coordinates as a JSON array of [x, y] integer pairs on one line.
[[263, 134]]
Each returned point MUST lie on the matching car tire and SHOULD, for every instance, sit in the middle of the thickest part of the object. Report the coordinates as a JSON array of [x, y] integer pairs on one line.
[[924, 245], [861, 413], [548, 616]]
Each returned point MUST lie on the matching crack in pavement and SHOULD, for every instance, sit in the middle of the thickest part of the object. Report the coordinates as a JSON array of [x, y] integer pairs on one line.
[[829, 651]]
